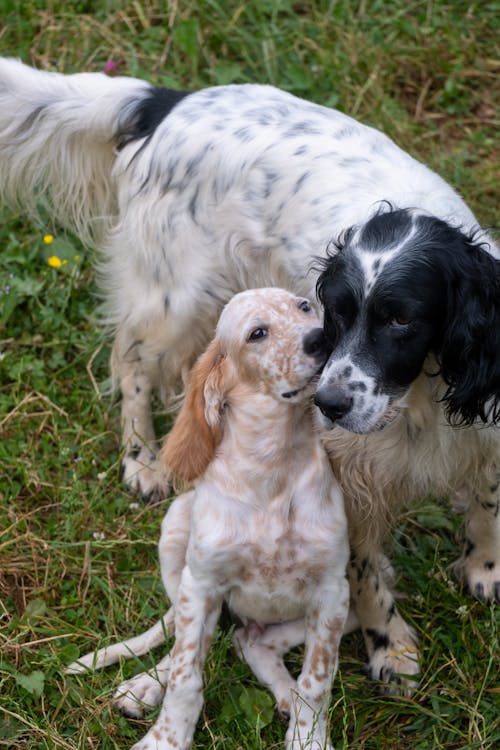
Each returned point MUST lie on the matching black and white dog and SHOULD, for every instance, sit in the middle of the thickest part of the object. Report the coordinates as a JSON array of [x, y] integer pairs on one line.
[[193, 197]]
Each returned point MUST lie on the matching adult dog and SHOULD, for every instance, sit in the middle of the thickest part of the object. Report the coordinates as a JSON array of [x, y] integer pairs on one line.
[[264, 529], [193, 197]]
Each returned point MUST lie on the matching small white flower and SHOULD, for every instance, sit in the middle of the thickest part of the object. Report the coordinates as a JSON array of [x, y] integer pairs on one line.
[[134, 506], [99, 536]]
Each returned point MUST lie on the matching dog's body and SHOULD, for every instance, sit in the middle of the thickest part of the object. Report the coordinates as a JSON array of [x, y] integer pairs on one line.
[[243, 186], [264, 528]]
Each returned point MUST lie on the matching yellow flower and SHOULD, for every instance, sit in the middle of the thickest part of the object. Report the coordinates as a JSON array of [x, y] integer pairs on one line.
[[54, 261], [48, 239]]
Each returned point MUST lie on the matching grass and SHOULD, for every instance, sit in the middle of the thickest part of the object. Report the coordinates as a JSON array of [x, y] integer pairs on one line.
[[78, 563]]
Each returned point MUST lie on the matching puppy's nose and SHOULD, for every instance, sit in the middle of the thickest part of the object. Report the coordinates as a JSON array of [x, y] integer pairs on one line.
[[333, 402], [314, 343]]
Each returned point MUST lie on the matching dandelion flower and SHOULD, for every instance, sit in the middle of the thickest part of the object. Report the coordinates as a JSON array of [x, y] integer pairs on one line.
[[48, 239], [54, 261]]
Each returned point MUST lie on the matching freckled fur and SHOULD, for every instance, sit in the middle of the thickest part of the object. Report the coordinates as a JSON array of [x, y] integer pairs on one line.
[[265, 511]]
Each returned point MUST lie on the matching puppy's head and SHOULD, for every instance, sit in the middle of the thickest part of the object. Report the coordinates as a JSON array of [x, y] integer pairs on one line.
[[401, 287], [267, 341]]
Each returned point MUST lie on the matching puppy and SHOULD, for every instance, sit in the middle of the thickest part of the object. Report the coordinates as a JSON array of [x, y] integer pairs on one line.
[[264, 529]]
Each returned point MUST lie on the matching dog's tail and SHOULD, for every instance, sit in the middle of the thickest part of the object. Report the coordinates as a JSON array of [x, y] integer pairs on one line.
[[137, 646], [58, 140]]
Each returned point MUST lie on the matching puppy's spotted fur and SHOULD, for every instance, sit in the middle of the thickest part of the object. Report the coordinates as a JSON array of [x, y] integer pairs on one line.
[[264, 528]]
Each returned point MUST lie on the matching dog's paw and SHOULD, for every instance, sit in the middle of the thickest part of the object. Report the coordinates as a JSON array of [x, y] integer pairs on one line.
[[396, 668], [145, 476], [140, 694], [480, 571], [302, 736]]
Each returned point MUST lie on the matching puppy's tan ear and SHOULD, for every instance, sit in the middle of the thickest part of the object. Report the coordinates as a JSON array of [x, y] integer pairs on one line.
[[197, 431]]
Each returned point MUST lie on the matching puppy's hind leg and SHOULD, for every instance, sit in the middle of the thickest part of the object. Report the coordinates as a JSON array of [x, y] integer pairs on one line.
[[137, 646], [263, 651]]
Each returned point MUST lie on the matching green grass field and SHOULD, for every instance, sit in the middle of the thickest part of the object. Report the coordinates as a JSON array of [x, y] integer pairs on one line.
[[78, 565]]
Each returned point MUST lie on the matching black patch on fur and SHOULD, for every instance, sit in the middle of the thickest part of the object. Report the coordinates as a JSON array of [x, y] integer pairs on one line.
[[489, 565], [469, 547], [497, 591], [385, 230], [147, 113], [379, 640]]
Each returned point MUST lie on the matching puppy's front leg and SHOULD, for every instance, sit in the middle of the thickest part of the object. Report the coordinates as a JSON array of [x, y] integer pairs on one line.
[[324, 627], [196, 616]]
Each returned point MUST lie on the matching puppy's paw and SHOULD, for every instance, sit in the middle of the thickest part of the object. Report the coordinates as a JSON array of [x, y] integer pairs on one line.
[[140, 694], [301, 736], [145, 476]]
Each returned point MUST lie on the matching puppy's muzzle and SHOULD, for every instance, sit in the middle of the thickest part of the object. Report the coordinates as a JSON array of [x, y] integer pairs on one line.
[[314, 344]]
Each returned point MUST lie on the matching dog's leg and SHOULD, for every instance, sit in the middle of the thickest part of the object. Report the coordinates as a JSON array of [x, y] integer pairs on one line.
[[263, 651], [144, 691], [197, 612], [140, 468], [479, 565], [324, 623], [391, 643]]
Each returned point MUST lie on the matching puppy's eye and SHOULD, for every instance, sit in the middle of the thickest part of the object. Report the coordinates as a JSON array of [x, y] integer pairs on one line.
[[258, 333], [304, 306]]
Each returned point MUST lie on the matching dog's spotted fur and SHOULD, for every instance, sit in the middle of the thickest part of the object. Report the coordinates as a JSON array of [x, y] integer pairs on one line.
[[192, 198], [264, 529]]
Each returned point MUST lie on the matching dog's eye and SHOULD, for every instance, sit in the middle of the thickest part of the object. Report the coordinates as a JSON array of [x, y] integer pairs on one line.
[[258, 333], [304, 306], [400, 320]]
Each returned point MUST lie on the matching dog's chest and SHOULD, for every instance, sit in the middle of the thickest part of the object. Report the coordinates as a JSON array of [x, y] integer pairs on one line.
[[269, 572]]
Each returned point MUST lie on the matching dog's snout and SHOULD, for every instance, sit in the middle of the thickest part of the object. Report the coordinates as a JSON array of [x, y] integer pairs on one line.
[[314, 343], [333, 402]]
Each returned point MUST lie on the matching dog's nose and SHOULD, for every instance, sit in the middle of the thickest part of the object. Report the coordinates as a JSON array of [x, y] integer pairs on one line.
[[333, 402], [314, 343]]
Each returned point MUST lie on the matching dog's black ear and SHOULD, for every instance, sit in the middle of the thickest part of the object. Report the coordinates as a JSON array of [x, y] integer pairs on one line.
[[469, 350]]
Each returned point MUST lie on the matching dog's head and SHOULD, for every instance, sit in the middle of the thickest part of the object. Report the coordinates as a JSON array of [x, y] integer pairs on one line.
[[399, 288], [268, 342]]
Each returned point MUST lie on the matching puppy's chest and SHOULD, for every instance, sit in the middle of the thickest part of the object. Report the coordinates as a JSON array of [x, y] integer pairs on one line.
[[268, 574]]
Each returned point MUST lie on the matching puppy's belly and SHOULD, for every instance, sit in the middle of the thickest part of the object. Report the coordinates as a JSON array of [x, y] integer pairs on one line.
[[265, 607]]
